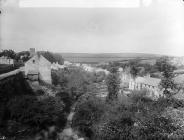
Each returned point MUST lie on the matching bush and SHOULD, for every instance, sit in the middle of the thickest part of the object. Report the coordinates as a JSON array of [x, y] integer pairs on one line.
[[75, 81], [88, 112], [67, 100], [115, 126], [141, 120], [151, 123], [9, 88], [30, 111]]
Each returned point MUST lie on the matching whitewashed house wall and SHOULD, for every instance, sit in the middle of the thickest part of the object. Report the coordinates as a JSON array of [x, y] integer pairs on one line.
[[39, 64], [151, 84], [32, 65], [45, 70]]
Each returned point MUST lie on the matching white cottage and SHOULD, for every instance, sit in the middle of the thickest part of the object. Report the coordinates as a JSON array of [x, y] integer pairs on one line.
[[38, 68], [149, 83]]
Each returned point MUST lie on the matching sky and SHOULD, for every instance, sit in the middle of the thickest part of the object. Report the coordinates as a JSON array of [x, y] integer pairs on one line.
[[93, 26]]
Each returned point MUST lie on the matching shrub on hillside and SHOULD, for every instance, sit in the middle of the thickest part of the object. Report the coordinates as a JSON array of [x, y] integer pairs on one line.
[[151, 123], [88, 112], [142, 119], [36, 113], [75, 81], [66, 99], [115, 126], [9, 88], [52, 57]]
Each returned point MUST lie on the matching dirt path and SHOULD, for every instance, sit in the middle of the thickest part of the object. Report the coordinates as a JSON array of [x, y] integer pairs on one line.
[[68, 132]]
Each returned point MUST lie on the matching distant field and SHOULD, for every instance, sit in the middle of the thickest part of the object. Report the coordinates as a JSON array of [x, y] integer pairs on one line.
[[108, 57]]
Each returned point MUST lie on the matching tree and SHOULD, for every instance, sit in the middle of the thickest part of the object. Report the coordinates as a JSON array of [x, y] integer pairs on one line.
[[88, 112], [24, 55], [167, 70], [116, 127], [151, 123], [75, 81], [113, 84], [8, 53], [161, 63], [52, 57], [134, 67], [134, 71], [78, 83], [40, 113]]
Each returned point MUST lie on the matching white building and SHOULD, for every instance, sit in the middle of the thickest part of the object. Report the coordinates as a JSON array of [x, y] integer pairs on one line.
[[57, 66], [67, 63], [148, 83], [38, 68]]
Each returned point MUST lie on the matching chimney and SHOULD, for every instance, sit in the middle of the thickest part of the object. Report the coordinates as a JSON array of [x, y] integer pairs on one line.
[[32, 52]]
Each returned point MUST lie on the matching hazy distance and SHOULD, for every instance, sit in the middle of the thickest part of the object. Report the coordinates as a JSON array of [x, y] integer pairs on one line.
[[153, 27]]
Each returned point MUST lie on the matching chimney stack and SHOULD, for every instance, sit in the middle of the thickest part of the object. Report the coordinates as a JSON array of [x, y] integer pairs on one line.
[[32, 52]]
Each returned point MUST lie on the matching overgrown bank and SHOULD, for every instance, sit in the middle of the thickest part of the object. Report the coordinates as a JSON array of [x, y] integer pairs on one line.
[[142, 119], [23, 114]]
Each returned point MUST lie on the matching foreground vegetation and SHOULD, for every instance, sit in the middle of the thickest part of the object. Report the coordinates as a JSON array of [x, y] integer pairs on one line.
[[142, 119], [26, 113], [139, 118]]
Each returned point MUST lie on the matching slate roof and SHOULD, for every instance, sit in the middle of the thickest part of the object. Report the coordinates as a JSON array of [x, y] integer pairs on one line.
[[148, 81]]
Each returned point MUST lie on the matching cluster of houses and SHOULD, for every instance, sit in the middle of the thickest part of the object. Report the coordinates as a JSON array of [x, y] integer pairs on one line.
[[141, 83], [89, 68], [39, 68]]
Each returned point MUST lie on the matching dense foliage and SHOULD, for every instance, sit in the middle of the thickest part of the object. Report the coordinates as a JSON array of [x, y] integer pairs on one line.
[[73, 80], [134, 66], [167, 70], [36, 113], [24, 56], [8, 53], [113, 84], [89, 110], [52, 57], [23, 111], [142, 119]]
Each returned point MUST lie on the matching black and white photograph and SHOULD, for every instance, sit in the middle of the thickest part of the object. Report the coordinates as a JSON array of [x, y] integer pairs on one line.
[[91, 69]]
